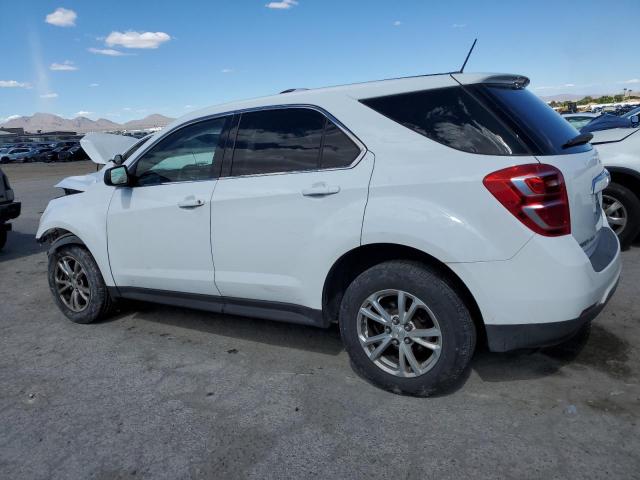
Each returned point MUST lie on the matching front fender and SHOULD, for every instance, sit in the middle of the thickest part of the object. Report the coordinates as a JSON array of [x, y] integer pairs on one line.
[[83, 216]]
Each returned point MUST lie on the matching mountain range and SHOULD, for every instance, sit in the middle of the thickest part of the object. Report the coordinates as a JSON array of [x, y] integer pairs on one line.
[[47, 122]]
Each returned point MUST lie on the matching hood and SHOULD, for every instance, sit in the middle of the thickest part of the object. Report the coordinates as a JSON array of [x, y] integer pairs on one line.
[[80, 183], [102, 147]]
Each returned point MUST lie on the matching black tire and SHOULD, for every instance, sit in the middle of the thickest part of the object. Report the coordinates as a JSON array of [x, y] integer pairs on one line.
[[456, 325], [631, 204], [3, 237], [100, 303]]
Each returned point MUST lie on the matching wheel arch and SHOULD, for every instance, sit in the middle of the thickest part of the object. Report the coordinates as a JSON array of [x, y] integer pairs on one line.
[[626, 177], [354, 262], [59, 237]]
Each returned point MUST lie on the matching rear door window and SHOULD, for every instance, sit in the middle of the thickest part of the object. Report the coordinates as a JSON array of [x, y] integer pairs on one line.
[[279, 140], [290, 140]]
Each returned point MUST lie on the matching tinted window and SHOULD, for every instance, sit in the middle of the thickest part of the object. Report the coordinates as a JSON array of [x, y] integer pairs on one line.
[[280, 140], [544, 130], [452, 117], [481, 119], [191, 153], [338, 150]]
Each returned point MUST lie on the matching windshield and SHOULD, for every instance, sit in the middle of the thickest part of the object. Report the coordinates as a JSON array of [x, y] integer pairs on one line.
[[635, 111]]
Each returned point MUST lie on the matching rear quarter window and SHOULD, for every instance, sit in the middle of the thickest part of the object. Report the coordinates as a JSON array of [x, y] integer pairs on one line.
[[481, 119]]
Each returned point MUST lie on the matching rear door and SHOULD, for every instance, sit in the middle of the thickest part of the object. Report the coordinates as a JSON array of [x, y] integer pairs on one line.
[[290, 202]]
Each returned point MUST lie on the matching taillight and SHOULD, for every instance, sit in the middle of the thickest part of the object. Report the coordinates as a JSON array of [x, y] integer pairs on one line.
[[535, 194]]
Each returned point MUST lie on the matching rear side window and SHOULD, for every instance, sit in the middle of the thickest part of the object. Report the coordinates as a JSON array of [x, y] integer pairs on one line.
[[481, 119], [338, 150], [290, 140]]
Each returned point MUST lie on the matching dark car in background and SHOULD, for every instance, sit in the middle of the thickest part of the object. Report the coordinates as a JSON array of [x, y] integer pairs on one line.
[[73, 154], [53, 155], [9, 208]]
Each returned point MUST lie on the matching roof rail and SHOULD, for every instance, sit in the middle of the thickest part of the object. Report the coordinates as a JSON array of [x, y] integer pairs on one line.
[[289, 90]]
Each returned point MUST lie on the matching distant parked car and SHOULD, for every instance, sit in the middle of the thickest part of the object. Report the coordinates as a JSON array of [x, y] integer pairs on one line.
[[15, 155], [606, 122], [579, 120], [9, 208], [73, 154], [619, 150], [53, 155], [37, 154]]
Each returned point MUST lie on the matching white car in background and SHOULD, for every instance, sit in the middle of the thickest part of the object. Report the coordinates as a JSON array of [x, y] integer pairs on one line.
[[420, 214], [619, 150], [15, 155]]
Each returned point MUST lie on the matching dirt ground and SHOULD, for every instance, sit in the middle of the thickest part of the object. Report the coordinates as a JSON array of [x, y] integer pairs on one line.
[[160, 392]]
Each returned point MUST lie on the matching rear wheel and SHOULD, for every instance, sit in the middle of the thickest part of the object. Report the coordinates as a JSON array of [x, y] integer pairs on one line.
[[406, 329], [3, 236], [622, 208], [77, 285]]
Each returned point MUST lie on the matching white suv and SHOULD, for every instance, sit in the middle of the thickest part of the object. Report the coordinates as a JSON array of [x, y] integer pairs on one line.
[[419, 213]]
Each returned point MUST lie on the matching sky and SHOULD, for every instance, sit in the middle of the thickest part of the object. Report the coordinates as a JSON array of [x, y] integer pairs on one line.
[[126, 59]]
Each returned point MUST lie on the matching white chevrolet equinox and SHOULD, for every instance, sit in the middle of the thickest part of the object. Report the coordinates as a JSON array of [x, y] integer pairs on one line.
[[421, 214]]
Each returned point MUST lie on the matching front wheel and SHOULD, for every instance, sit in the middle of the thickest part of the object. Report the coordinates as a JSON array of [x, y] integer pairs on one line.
[[77, 285], [622, 208], [406, 329]]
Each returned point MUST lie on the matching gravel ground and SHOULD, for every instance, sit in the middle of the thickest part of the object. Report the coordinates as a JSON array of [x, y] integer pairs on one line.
[[159, 392]]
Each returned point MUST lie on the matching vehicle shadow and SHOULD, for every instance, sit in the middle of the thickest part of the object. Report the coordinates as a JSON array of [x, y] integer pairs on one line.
[[20, 245], [280, 334], [490, 367]]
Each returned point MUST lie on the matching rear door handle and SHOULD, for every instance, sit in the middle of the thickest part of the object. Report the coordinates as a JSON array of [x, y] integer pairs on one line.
[[320, 190], [191, 202]]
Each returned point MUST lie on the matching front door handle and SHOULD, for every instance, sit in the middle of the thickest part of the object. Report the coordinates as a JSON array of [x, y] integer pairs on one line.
[[191, 202], [320, 190]]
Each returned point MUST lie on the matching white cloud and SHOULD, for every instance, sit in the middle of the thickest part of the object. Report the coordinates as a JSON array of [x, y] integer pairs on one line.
[[10, 117], [397, 23], [127, 109], [107, 51], [13, 84], [66, 66], [83, 113], [62, 18], [132, 39], [226, 70], [569, 85], [632, 80], [283, 5], [49, 95], [94, 84], [459, 25], [188, 106]]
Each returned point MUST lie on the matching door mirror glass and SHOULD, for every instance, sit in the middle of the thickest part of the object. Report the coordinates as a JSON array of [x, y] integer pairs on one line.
[[635, 119], [117, 176]]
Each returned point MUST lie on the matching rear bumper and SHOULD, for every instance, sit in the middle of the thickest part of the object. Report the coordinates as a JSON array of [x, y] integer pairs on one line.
[[9, 211], [503, 338], [545, 293]]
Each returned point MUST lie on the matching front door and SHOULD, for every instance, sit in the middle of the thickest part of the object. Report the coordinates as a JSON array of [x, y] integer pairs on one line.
[[159, 229]]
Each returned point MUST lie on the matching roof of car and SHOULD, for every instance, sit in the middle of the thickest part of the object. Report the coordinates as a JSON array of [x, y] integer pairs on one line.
[[356, 91]]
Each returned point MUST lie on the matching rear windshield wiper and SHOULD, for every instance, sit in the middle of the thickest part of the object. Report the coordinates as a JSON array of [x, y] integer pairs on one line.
[[578, 140]]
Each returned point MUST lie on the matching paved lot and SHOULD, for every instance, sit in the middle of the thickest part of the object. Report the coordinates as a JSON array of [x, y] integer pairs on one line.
[[167, 393]]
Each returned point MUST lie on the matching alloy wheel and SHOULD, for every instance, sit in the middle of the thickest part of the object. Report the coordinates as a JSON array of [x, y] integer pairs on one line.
[[72, 284], [616, 213], [399, 333]]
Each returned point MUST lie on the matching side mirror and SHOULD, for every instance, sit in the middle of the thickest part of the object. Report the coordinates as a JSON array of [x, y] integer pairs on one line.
[[117, 159], [635, 120], [117, 176]]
